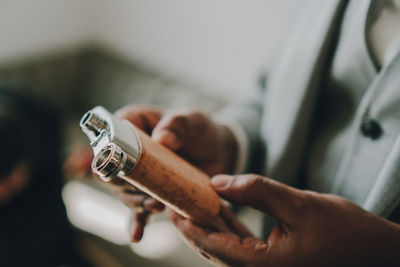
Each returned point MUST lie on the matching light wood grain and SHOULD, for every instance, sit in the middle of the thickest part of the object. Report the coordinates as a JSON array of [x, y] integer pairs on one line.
[[175, 182]]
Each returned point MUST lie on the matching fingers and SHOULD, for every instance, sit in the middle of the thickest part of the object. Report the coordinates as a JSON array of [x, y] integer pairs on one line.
[[277, 199], [233, 222], [137, 224], [171, 129], [177, 127], [186, 227], [145, 118], [142, 207], [227, 248]]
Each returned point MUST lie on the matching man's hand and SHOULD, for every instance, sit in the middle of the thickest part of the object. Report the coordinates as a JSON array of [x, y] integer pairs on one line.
[[207, 145], [312, 229]]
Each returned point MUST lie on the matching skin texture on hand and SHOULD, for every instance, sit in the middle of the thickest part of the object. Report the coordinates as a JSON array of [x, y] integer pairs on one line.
[[312, 229], [192, 135]]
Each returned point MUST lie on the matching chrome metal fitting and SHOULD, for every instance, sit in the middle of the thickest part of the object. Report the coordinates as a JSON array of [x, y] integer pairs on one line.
[[115, 144]]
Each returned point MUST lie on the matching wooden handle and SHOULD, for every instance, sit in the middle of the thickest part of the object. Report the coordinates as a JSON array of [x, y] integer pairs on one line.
[[174, 182]]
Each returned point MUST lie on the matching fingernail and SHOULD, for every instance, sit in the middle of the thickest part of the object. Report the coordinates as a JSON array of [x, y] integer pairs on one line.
[[221, 181]]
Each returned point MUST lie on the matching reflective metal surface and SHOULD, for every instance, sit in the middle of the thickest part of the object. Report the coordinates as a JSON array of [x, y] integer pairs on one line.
[[115, 144]]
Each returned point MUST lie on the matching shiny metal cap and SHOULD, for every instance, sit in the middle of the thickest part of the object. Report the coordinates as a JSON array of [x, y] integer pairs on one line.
[[115, 143]]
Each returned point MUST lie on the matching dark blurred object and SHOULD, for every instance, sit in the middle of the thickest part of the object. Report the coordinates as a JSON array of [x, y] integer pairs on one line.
[[34, 230], [78, 79]]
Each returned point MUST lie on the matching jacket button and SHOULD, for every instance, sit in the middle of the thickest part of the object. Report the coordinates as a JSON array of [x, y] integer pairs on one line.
[[371, 128]]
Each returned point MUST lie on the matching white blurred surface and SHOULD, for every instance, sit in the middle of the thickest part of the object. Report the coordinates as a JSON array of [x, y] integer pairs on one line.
[[217, 43], [42, 26], [96, 212]]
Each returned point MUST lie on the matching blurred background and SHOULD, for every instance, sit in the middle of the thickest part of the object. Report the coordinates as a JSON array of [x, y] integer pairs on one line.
[[78, 54]]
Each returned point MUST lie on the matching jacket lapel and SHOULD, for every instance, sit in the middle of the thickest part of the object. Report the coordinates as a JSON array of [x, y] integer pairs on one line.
[[293, 85], [385, 195], [381, 102]]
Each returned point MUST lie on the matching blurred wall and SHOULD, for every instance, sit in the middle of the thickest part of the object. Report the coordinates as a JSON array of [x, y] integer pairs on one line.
[[42, 26], [217, 43]]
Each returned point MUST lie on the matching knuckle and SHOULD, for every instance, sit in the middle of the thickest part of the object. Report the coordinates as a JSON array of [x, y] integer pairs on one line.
[[254, 181], [197, 115], [338, 201], [177, 120], [304, 201], [188, 114], [190, 122]]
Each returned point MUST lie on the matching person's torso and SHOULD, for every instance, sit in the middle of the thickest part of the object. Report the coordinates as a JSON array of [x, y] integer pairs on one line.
[[340, 158]]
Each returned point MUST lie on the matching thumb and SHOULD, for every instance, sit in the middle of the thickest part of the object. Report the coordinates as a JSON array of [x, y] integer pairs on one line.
[[168, 138], [279, 200], [143, 117], [173, 129]]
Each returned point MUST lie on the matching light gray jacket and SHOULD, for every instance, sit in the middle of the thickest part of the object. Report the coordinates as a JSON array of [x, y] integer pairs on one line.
[[284, 111]]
